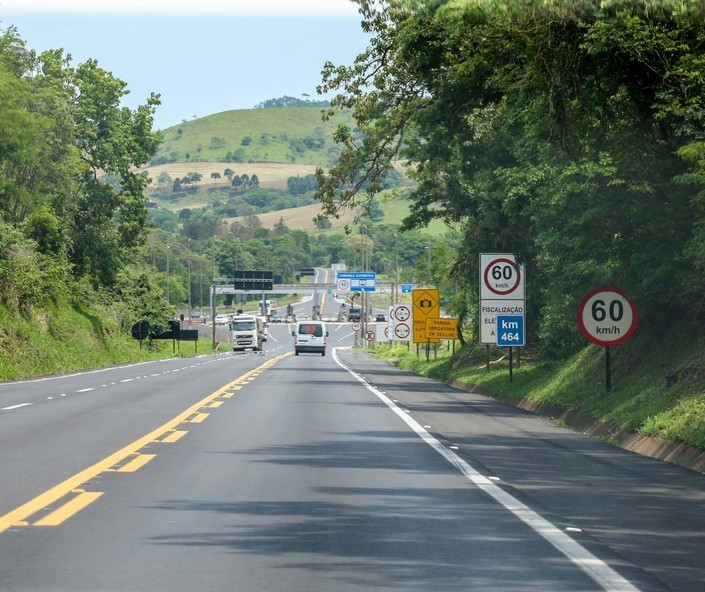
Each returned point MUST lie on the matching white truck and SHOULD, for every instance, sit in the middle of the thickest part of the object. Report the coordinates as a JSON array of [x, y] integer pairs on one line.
[[247, 333]]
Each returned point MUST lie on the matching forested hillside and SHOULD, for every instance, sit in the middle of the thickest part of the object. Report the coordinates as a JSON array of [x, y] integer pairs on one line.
[[72, 208], [571, 134]]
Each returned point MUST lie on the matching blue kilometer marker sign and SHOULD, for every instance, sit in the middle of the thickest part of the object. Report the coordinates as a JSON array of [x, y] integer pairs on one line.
[[510, 330]]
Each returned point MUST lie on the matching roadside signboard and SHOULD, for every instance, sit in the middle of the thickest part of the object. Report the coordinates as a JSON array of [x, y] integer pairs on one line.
[[442, 328], [360, 281], [369, 335], [356, 326], [402, 331], [343, 285], [425, 306], [140, 330], [382, 332], [607, 316], [502, 292], [400, 320], [406, 288], [510, 331]]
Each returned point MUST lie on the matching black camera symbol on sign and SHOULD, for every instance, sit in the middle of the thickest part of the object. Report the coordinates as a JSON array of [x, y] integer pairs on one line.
[[425, 303]]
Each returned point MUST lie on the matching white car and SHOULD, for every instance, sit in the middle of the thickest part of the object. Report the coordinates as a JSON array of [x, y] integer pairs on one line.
[[222, 319]]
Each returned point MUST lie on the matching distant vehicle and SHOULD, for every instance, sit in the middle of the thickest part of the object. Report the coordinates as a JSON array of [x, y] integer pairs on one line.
[[290, 318], [310, 337], [354, 314], [276, 318], [196, 317], [380, 318], [222, 319], [262, 328], [247, 333]]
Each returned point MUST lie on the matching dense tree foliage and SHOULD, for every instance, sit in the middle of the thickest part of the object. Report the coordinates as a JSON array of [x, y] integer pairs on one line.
[[72, 209], [287, 101], [569, 133]]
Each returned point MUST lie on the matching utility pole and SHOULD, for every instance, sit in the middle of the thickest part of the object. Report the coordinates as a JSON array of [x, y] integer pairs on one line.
[[396, 274], [190, 304], [168, 299]]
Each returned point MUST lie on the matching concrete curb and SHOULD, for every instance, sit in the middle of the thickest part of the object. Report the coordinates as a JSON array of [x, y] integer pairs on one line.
[[666, 450]]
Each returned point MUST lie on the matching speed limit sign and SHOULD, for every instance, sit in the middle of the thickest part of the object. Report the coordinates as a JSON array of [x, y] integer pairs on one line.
[[501, 277], [607, 317]]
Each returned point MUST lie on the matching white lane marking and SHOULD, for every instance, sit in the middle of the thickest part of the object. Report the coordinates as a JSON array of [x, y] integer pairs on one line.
[[11, 407], [127, 380], [85, 390], [598, 570]]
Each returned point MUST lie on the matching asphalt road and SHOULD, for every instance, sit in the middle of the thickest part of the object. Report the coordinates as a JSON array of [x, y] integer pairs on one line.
[[281, 473]]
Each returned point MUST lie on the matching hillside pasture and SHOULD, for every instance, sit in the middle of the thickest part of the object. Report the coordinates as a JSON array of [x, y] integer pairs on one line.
[[285, 134], [298, 218], [270, 175]]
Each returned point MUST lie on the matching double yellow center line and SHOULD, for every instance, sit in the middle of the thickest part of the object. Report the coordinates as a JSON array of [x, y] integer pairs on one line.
[[128, 459]]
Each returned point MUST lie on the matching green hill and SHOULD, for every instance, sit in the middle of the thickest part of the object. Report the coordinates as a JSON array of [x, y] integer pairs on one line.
[[285, 135]]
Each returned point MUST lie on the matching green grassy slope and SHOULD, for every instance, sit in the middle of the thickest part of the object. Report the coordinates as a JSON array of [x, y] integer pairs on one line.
[[285, 135], [658, 385], [64, 339]]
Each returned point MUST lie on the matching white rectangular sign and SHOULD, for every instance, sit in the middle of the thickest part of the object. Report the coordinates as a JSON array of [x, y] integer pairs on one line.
[[502, 292], [401, 322], [489, 309]]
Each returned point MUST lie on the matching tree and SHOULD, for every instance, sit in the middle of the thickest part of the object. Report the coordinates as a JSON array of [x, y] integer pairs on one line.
[[164, 181], [215, 177], [546, 129]]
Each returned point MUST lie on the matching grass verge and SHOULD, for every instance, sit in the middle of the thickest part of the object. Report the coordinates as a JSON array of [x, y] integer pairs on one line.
[[60, 340]]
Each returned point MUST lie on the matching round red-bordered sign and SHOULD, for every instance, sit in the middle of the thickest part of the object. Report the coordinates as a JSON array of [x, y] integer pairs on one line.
[[607, 316], [514, 279], [402, 313], [402, 331], [356, 326]]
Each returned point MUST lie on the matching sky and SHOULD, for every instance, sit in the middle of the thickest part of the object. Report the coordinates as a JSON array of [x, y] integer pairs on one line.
[[202, 57]]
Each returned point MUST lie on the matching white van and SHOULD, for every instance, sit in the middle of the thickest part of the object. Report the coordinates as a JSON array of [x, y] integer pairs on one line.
[[310, 336]]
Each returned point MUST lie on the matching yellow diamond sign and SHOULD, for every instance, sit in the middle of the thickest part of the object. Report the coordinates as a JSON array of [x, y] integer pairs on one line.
[[425, 306]]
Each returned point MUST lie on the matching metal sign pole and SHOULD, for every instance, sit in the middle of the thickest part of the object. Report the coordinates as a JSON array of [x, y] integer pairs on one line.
[[511, 377], [608, 369]]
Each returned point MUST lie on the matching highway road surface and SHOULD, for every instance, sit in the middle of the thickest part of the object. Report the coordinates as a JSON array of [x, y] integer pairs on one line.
[[271, 472]]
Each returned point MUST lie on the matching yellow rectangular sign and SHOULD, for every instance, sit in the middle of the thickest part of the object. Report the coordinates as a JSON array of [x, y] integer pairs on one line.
[[442, 328]]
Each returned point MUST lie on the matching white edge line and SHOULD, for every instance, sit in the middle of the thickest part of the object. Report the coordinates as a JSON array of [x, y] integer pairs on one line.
[[15, 406], [598, 570]]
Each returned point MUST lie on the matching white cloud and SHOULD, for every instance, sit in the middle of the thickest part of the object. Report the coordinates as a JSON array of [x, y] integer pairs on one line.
[[173, 7]]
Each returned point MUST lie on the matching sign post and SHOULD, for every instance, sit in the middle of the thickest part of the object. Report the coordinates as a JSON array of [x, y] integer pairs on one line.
[[510, 333], [502, 292], [425, 306], [401, 322], [607, 317]]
